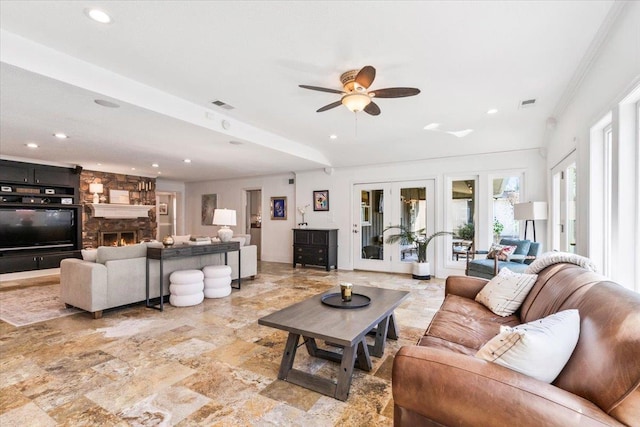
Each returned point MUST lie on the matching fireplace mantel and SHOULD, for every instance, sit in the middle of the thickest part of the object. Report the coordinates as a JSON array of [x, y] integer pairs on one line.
[[116, 211]]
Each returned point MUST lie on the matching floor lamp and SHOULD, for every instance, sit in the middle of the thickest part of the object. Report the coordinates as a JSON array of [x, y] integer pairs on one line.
[[530, 212]]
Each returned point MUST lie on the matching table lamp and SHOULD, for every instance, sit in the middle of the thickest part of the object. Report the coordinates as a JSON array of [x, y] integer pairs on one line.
[[529, 212], [224, 218], [96, 189]]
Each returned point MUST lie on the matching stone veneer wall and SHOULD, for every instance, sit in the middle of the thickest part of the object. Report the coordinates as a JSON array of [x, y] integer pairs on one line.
[[91, 227]]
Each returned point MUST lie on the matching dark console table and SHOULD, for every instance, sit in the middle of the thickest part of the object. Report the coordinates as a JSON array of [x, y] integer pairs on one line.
[[184, 251], [315, 246]]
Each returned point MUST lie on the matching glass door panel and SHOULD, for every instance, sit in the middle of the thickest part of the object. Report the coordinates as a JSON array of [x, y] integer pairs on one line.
[[461, 218], [368, 226]]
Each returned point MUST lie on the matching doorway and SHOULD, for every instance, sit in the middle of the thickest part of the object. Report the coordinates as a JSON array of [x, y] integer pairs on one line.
[[254, 217], [166, 214], [381, 205]]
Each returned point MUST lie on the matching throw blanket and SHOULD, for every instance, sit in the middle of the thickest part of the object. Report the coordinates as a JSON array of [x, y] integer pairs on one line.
[[550, 258]]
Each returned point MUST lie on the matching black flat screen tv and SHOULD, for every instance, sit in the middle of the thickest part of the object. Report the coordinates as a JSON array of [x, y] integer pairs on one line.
[[36, 228]]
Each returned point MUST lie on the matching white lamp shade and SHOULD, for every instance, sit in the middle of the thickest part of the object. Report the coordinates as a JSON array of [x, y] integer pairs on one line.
[[530, 211], [356, 101], [224, 217], [95, 188]]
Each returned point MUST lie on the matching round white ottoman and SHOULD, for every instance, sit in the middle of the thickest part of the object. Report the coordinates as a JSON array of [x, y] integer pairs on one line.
[[186, 288], [217, 281]]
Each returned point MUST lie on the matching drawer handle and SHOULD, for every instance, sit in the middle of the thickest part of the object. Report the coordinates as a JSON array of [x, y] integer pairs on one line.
[[299, 256], [320, 259]]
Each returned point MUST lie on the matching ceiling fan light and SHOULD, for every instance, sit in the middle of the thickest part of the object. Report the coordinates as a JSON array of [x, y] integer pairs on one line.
[[356, 102]]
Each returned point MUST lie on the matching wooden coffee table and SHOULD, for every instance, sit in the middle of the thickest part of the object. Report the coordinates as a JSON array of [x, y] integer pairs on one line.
[[311, 320]]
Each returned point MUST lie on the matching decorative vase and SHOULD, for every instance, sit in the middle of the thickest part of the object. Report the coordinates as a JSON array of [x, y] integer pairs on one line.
[[168, 241]]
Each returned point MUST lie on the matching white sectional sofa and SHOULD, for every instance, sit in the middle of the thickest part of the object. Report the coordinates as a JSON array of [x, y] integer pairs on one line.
[[115, 276]]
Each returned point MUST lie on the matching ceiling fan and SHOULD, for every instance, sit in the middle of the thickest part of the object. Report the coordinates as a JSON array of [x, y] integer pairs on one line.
[[355, 95]]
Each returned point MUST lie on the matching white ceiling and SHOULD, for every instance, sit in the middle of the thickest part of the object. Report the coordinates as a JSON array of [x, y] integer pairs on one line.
[[163, 62]]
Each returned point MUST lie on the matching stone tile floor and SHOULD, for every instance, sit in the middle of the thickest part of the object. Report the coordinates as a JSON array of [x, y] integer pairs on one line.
[[207, 365]]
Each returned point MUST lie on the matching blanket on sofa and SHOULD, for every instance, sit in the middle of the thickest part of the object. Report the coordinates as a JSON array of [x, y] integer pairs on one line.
[[550, 258]]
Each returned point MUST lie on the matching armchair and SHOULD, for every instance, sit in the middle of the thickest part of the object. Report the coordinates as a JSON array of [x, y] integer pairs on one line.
[[526, 251]]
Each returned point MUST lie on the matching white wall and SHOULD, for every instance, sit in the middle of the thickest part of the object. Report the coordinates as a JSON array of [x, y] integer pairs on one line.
[[277, 237], [340, 185], [614, 71]]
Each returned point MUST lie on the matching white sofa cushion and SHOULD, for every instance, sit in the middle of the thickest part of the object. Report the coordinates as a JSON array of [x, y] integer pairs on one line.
[[112, 253]]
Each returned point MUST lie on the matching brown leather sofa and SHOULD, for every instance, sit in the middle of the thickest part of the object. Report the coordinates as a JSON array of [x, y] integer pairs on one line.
[[439, 382]]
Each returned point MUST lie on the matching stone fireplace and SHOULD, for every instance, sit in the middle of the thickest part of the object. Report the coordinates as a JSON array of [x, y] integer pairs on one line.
[[115, 224]]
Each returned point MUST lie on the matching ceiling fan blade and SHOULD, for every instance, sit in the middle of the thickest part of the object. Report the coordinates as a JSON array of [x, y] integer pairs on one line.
[[329, 106], [321, 89], [372, 109], [365, 76], [396, 92]]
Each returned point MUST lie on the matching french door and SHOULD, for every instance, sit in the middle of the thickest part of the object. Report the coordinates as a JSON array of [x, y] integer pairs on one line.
[[379, 206], [563, 210]]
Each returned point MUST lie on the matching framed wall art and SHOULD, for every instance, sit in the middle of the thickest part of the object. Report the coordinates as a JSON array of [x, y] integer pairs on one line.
[[321, 200], [163, 209], [279, 207], [120, 197], [209, 204]]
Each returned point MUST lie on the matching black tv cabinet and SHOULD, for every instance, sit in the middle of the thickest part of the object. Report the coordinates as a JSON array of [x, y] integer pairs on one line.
[[29, 185]]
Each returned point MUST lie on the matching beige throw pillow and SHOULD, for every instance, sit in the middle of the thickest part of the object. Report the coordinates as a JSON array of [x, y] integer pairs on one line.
[[539, 349], [505, 293]]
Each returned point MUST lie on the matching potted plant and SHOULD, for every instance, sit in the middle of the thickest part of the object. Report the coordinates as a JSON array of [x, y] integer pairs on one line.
[[497, 230], [466, 232], [421, 268]]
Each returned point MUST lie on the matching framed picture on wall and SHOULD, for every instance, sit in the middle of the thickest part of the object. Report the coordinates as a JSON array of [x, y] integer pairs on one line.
[[163, 209], [209, 204], [279, 207], [321, 200], [120, 197]]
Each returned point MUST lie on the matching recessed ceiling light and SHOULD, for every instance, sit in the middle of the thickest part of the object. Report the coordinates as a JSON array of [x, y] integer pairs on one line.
[[105, 103], [60, 135], [187, 160], [99, 164], [159, 173], [133, 169], [155, 165], [432, 126], [98, 15], [492, 111], [333, 136], [461, 133], [32, 145]]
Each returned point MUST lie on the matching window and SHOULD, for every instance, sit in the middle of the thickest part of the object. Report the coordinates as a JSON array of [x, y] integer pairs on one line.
[[506, 193]]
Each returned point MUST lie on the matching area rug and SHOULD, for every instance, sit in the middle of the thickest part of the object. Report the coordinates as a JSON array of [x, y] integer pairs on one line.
[[21, 307]]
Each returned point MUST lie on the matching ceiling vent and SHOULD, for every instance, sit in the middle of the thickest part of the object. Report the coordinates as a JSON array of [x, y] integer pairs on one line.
[[527, 103], [222, 105]]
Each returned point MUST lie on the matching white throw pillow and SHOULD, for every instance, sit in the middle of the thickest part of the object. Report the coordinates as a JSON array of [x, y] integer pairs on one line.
[[89, 254], [539, 349], [505, 293], [238, 239]]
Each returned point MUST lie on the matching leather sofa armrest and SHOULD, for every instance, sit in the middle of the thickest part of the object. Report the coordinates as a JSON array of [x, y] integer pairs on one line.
[[449, 388], [464, 286]]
